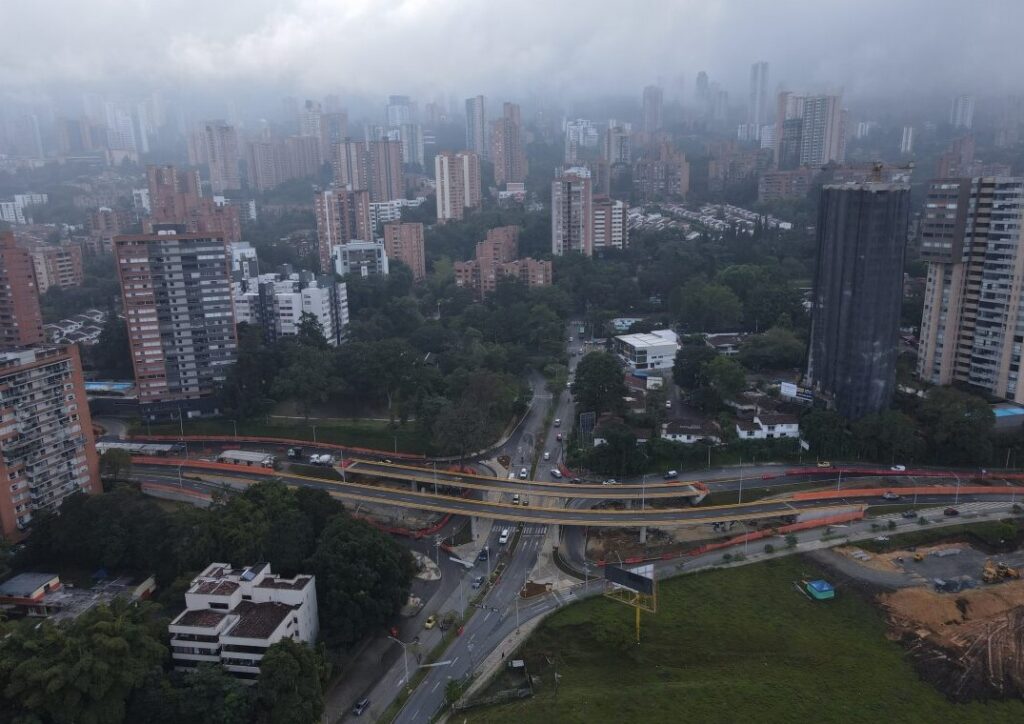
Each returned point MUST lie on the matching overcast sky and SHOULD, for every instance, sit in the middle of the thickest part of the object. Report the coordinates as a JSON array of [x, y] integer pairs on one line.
[[570, 48]]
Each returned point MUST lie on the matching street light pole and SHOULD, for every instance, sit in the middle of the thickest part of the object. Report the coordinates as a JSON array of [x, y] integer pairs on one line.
[[740, 502], [956, 499], [314, 434], [234, 425], [405, 657]]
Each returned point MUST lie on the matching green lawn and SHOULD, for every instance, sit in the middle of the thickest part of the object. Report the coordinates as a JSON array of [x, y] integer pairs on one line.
[[376, 434], [738, 645]]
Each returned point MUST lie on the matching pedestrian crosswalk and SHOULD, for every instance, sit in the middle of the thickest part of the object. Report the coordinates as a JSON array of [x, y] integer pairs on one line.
[[535, 530]]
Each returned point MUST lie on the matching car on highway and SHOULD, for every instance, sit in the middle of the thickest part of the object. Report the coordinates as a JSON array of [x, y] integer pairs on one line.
[[951, 512], [361, 706], [889, 495], [668, 404], [295, 453], [430, 622], [824, 464], [610, 481], [899, 468], [503, 538], [908, 514], [558, 422], [484, 552], [477, 582], [525, 502], [576, 480], [669, 474], [558, 437], [556, 473], [522, 474], [515, 499], [547, 455]]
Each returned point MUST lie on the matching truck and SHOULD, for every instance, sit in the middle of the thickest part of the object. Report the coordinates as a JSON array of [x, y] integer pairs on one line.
[[251, 458], [324, 459]]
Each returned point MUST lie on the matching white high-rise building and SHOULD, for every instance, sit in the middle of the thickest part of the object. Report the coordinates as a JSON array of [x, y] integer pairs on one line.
[[476, 126], [961, 115], [361, 258], [907, 140]]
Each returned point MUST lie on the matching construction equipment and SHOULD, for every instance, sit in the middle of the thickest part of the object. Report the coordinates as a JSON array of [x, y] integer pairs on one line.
[[996, 572]]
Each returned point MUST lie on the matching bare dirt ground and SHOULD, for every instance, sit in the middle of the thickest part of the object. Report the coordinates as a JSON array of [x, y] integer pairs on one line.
[[970, 644]]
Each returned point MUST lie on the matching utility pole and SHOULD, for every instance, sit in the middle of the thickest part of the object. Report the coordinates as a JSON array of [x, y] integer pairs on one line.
[[405, 658]]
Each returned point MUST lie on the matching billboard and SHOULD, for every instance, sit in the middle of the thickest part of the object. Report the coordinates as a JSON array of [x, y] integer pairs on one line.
[[640, 580]]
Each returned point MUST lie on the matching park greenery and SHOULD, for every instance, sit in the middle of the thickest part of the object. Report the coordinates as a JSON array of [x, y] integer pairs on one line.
[[113, 660], [736, 660]]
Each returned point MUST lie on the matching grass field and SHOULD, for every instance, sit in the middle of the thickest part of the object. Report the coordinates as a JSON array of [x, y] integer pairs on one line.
[[376, 434], [736, 645]]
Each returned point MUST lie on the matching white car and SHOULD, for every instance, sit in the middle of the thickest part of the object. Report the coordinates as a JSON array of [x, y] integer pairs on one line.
[[558, 422], [610, 481], [556, 473], [515, 499], [523, 474], [503, 538], [899, 468], [547, 455]]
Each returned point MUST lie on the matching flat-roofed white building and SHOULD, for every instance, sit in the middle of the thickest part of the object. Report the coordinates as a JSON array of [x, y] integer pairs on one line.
[[233, 616], [654, 350]]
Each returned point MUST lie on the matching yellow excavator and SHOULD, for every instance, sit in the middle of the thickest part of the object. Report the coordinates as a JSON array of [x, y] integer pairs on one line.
[[996, 572]]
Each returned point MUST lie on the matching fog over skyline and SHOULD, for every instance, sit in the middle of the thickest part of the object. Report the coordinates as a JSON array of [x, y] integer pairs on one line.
[[534, 48]]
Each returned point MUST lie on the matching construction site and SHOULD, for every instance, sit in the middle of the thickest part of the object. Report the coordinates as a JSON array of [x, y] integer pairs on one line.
[[958, 611]]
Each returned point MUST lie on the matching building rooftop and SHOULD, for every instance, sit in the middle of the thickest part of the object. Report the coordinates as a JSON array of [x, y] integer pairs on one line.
[[214, 588], [777, 418], [296, 584], [200, 618], [24, 585], [649, 339], [258, 620]]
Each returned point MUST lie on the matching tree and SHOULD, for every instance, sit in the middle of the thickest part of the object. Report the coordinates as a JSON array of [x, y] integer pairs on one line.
[[775, 349], [289, 690], [957, 426], [247, 390], [460, 430], [112, 356], [726, 376], [888, 436], [825, 432], [311, 332], [689, 365], [81, 672], [707, 307], [116, 464], [599, 386], [308, 377], [362, 579], [206, 695]]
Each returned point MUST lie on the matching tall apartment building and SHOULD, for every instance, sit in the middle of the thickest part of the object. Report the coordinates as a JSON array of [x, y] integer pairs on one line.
[[961, 114], [21, 323], [57, 265], [822, 136], [611, 224], [653, 105], [858, 293], [411, 136], [341, 216], [177, 302], [361, 258], [232, 616], [972, 327], [757, 107], [279, 305], [404, 242], [220, 152], [617, 145], [301, 156], [476, 126], [507, 150], [47, 449], [572, 213], [176, 198], [907, 140], [661, 173], [457, 180], [384, 167], [350, 164], [810, 131]]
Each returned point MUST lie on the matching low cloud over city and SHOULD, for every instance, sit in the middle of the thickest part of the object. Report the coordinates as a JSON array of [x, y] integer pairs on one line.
[[535, 47]]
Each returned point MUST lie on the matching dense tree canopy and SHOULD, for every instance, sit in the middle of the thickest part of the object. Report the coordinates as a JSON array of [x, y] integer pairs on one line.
[[598, 385]]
